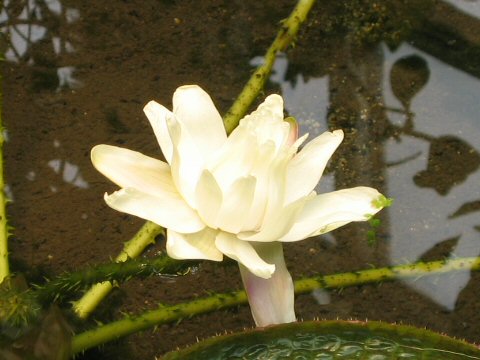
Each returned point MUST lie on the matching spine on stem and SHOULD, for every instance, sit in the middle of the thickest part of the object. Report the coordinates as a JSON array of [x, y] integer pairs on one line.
[[168, 314], [285, 37], [133, 248]]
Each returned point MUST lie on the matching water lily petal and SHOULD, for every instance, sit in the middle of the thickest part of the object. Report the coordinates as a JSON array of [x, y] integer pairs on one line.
[[234, 160], [244, 253], [187, 163], [276, 186], [209, 198], [131, 169], [157, 115], [168, 210], [194, 108], [272, 183], [237, 202], [293, 132], [267, 122], [326, 212], [200, 245], [277, 226], [271, 300], [306, 168], [262, 170]]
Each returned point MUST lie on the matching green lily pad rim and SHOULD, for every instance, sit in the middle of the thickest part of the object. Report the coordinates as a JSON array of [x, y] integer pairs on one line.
[[396, 332]]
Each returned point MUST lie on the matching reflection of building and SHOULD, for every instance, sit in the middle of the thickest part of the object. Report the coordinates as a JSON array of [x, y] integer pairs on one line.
[[418, 129], [25, 27]]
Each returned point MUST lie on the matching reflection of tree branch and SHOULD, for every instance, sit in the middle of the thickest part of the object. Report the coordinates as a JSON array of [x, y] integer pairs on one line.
[[414, 133], [404, 160], [451, 36], [29, 22], [450, 161], [407, 129], [16, 22], [466, 208], [19, 33]]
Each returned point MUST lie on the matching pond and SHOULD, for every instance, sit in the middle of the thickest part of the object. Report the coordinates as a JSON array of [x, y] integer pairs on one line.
[[401, 78]]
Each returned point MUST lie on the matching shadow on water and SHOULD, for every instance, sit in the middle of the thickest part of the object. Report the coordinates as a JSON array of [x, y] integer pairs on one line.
[[399, 77]]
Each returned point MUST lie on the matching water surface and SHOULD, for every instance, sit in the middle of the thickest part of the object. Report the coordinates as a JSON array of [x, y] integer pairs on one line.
[[400, 78]]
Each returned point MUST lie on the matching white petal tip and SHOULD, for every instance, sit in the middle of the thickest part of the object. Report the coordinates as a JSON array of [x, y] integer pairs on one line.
[[189, 90], [274, 98], [94, 154], [97, 152], [265, 272], [151, 107], [110, 198], [188, 87], [338, 133]]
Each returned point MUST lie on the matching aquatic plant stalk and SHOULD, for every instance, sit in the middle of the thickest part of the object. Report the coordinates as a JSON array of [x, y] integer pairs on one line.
[[67, 283], [4, 267], [21, 305], [284, 38], [166, 314], [133, 248]]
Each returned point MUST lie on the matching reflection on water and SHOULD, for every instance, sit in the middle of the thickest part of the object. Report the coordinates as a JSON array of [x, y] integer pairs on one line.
[[70, 173], [66, 79], [470, 7], [406, 97], [306, 99], [450, 162], [321, 296], [431, 163], [408, 76], [445, 174], [27, 27]]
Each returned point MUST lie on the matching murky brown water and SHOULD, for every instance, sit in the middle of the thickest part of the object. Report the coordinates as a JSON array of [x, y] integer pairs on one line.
[[400, 77]]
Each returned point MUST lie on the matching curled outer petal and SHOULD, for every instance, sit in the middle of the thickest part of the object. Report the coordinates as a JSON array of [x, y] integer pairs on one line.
[[131, 169], [326, 212], [195, 110], [186, 163], [199, 245], [306, 168], [157, 115], [244, 253], [166, 210]]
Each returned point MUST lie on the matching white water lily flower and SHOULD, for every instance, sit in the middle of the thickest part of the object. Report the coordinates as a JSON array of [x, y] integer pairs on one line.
[[239, 196]]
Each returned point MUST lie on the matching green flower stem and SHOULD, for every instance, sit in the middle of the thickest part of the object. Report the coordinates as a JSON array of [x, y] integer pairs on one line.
[[68, 283], [166, 314], [414, 270], [20, 306], [130, 324], [284, 38], [4, 267], [133, 248]]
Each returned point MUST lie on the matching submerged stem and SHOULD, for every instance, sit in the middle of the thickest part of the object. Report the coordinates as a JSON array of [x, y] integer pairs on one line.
[[4, 267], [120, 271], [133, 248], [166, 314], [284, 38]]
